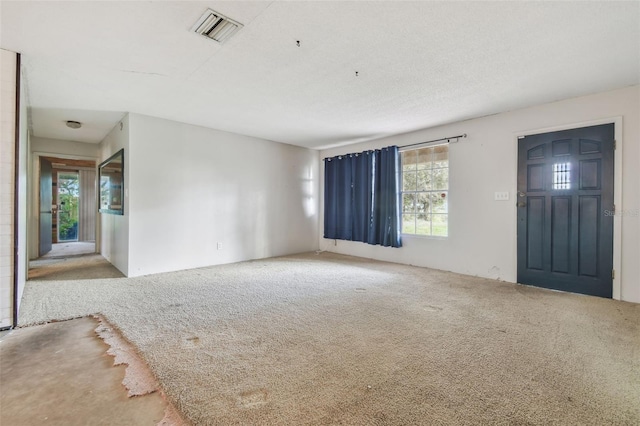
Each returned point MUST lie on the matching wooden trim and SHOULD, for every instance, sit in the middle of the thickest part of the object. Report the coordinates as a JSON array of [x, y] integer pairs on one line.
[[16, 183], [70, 163]]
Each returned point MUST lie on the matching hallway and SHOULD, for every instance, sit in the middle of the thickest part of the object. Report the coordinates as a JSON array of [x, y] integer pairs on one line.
[[72, 261]]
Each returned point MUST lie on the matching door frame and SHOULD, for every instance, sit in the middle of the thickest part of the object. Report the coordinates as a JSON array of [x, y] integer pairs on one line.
[[33, 199], [617, 189]]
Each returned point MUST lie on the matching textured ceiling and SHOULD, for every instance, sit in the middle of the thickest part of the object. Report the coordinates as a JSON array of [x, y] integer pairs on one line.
[[419, 64]]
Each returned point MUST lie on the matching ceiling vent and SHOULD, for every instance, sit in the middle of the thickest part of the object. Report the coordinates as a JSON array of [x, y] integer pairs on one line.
[[216, 26]]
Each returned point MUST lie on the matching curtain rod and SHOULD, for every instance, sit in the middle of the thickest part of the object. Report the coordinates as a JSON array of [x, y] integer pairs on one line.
[[464, 135]]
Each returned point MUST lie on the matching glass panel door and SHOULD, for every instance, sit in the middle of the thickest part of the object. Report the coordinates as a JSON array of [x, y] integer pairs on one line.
[[68, 202]]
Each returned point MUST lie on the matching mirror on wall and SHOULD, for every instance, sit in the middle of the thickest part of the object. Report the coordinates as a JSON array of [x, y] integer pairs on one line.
[[112, 184]]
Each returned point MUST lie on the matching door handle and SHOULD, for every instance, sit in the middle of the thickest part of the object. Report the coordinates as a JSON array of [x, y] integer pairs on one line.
[[521, 204], [521, 194]]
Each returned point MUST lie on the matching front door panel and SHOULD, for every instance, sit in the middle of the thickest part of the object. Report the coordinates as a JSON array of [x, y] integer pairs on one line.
[[46, 214], [565, 210]]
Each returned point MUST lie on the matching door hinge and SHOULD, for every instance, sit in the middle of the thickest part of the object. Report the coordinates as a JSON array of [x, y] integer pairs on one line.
[[613, 274], [614, 209], [615, 144]]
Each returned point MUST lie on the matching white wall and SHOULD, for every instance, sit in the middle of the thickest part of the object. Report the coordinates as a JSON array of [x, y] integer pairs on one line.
[[192, 188], [482, 237], [114, 229], [64, 148]]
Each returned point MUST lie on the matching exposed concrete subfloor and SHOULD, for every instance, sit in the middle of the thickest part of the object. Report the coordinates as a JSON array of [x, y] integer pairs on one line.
[[60, 374]]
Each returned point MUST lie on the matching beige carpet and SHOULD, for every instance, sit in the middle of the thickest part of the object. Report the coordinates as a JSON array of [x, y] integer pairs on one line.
[[70, 248], [330, 339], [87, 266]]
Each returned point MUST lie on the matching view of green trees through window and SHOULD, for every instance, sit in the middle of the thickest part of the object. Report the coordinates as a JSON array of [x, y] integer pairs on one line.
[[425, 189], [68, 200]]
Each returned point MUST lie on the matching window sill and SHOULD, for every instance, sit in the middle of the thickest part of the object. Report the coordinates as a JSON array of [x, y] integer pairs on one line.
[[424, 237]]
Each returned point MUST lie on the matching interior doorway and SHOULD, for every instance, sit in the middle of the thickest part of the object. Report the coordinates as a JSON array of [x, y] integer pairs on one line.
[[65, 240], [68, 206]]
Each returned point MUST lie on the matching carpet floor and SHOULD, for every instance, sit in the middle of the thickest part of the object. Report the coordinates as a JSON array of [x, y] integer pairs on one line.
[[87, 266], [328, 339]]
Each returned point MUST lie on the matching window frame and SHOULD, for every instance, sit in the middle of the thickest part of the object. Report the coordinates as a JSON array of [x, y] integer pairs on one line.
[[431, 191]]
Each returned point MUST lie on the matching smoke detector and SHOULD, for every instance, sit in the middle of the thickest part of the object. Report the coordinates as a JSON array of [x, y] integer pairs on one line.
[[216, 26], [74, 124]]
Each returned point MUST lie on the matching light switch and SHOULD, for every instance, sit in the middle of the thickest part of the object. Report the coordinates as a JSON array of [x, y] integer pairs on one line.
[[502, 196]]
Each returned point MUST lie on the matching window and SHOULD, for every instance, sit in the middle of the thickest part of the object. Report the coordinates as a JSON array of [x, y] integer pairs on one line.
[[425, 191], [562, 176]]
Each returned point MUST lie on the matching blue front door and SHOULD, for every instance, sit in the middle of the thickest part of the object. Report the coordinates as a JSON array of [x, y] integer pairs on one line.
[[565, 210]]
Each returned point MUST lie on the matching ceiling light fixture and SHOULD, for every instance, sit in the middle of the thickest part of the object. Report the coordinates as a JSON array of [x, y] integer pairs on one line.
[[74, 124], [216, 26]]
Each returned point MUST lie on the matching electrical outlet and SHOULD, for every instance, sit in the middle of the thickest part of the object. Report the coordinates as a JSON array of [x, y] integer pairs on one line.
[[501, 196], [219, 246]]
